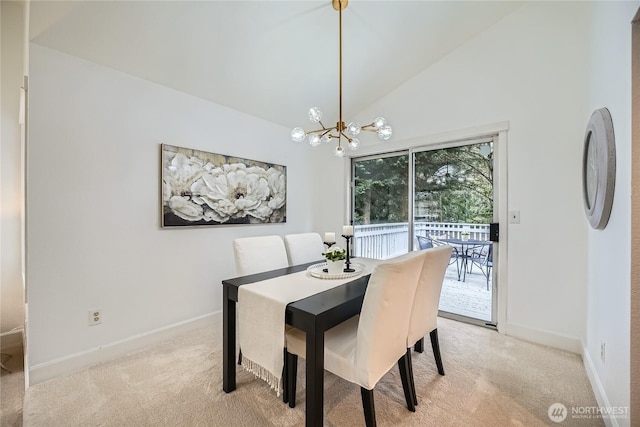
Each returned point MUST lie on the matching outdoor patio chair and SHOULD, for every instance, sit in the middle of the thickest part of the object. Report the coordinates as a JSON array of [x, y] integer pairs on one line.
[[430, 242], [483, 258], [424, 242]]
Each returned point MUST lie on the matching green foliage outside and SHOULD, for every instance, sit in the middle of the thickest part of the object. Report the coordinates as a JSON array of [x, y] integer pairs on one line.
[[381, 191], [451, 185]]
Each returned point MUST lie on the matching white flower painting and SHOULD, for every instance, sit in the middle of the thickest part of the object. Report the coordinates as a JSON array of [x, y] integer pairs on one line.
[[200, 188]]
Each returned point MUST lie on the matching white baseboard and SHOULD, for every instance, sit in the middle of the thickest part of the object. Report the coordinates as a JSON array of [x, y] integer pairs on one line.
[[76, 362], [540, 336], [596, 385]]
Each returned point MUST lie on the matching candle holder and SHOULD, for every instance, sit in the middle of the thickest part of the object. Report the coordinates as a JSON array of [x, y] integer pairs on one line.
[[347, 262]]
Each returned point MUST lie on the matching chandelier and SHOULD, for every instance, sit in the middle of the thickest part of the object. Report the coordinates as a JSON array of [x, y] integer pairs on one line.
[[350, 131], [449, 174]]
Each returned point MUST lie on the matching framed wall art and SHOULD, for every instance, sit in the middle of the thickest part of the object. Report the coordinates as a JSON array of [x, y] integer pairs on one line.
[[207, 189]]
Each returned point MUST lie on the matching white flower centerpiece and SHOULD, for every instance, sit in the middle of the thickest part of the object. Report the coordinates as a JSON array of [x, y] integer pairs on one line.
[[335, 256]]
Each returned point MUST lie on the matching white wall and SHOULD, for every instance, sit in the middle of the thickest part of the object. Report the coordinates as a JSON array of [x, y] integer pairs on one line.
[[12, 300], [94, 237], [608, 314], [330, 191]]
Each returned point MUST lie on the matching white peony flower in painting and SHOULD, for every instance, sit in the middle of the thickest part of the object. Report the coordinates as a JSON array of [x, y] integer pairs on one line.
[[234, 191], [278, 195], [179, 172], [185, 209], [206, 189]]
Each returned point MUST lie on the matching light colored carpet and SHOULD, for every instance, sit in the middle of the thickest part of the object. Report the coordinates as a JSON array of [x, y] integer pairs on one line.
[[11, 387], [491, 380]]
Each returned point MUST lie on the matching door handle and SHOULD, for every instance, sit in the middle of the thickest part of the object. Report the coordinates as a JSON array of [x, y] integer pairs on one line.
[[494, 232]]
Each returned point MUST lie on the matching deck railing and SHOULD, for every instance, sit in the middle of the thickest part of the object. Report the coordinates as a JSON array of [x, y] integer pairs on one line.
[[383, 241]]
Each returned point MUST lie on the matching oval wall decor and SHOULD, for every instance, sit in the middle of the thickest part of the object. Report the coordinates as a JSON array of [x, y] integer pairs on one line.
[[599, 168]]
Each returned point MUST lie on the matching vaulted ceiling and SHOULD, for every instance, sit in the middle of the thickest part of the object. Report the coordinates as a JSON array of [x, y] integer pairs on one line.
[[270, 59]]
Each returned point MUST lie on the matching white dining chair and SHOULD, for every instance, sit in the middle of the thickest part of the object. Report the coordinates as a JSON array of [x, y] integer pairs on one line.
[[258, 254], [304, 247], [365, 347], [424, 312]]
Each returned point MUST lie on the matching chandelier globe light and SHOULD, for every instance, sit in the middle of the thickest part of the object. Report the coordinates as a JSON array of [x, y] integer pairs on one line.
[[351, 131]]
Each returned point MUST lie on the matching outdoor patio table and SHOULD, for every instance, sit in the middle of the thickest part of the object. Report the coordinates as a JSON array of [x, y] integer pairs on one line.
[[465, 246]]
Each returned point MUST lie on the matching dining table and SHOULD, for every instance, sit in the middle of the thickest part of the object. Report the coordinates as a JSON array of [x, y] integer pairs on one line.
[[314, 314], [463, 252]]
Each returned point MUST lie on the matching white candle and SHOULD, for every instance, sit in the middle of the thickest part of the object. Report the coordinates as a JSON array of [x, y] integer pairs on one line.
[[329, 237], [347, 230]]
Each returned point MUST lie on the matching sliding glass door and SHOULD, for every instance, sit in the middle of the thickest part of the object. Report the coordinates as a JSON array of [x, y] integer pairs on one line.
[[427, 197], [453, 205]]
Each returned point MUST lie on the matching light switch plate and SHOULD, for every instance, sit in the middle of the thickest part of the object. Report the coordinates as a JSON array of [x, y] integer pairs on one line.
[[514, 217]]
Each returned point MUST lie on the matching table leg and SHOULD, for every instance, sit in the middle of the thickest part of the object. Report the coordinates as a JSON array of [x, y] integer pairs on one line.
[[315, 379], [459, 263], [466, 265], [228, 342]]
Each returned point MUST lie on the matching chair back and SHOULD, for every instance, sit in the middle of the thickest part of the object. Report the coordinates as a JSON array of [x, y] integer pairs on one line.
[[304, 247], [424, 312], [258, 254], [384, 319]]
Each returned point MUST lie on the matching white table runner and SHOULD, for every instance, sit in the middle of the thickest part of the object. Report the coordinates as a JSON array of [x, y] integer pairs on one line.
[[261, 312]]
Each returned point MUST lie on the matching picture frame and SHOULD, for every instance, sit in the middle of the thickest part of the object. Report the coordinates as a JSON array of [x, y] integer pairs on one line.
[[199, 188]]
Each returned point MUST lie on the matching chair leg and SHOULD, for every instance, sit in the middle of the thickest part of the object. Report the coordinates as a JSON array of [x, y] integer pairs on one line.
[[419, 346], [368, 407], [285, 395], [292, 373], [403, 366], [435, 344], [488, 275], [412, 382]]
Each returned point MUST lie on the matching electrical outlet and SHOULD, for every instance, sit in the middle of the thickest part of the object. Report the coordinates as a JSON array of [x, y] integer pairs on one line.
[[602, 351], [95, 316]]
